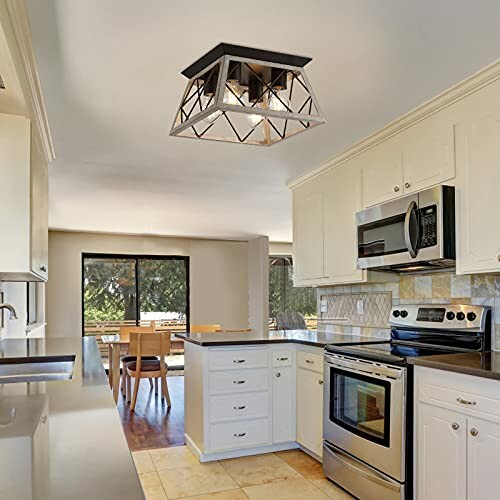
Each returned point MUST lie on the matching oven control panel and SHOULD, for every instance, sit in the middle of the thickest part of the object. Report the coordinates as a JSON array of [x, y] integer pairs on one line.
[[446, 317]]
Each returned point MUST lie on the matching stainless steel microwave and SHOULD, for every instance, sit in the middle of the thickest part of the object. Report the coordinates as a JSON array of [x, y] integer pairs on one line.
[[411, 234]]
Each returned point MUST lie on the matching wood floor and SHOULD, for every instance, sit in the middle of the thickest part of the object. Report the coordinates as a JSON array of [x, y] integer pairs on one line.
[[153, 425]]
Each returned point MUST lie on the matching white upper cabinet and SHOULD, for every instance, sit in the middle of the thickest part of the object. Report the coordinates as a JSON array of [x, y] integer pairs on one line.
[[23, 203], [342, 200], [428, 152], [478, 182], [308, 232], [382, 172]]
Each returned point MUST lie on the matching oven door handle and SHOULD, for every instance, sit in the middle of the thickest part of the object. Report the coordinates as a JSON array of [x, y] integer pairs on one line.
[[379, 372], [407, 228], [372, 475]]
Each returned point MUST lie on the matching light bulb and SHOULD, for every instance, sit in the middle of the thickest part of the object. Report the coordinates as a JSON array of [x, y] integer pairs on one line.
[[231, 95], [211, 118], [281, 103], [255, 120]]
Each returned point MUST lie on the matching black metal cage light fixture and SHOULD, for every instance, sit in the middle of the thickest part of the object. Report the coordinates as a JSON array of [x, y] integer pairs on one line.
[[245, 95]]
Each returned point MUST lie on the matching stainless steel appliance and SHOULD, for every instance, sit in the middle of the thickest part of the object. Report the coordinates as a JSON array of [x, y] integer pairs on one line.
[[411, 234], [368, 396]]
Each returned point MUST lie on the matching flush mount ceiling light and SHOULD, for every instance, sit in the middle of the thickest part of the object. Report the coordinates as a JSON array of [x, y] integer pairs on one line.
[[248, 96]]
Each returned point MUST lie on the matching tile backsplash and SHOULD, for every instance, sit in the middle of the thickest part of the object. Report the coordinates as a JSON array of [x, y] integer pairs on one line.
[[340, 303]]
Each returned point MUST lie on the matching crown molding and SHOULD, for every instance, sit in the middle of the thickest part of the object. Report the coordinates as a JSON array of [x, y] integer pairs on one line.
[[450, 96], [15, 23]]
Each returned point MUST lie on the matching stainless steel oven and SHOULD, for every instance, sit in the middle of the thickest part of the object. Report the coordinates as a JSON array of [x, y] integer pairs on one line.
[[410, 234], [364, 423]]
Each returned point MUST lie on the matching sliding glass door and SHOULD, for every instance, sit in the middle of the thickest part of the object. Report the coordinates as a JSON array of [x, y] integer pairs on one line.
[[131, 290]]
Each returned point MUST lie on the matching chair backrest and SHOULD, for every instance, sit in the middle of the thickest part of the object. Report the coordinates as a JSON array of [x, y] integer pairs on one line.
[[150, 343], [125, 330], [204, 328], [290, 320]]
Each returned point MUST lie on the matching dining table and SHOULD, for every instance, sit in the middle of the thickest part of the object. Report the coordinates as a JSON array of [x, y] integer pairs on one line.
[[118, 345]]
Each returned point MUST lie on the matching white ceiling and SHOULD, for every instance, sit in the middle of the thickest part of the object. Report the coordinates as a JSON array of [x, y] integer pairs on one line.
[[110, 72]]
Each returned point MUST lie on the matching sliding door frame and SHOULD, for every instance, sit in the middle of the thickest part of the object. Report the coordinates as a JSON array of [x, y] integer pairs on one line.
[[137, 258]]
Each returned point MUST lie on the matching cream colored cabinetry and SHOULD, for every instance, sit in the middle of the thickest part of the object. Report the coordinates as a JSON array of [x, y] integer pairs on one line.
[[23, 203], [457, 436], [417, 158], [478, 184], [308, 232], [310, 401], [324, 227]]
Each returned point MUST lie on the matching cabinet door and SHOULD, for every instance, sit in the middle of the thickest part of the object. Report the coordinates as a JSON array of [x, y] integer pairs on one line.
[[39, 214], [382, 172], [477, 200], [483, 442], [342, 201], [441, 454], [428, 152], [310, 410], [283, 405], [308, 232]]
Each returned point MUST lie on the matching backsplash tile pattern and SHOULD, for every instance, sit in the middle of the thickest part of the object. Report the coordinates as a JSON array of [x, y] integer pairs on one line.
[[445, 288]]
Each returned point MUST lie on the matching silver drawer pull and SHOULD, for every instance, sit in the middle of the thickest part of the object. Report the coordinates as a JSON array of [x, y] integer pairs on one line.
[[455, 426], [474, 432], [282, 359], [465, 402], [239, 407], [240, 435], [239, 381], [320, 382], [309, 362], [239, 360]]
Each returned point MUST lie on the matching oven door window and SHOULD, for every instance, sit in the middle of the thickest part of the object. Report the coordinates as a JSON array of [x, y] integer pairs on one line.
[[361, 405]]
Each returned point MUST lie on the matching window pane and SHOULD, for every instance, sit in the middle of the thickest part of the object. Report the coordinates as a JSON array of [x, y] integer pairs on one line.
[[163, 289], [109, 291]]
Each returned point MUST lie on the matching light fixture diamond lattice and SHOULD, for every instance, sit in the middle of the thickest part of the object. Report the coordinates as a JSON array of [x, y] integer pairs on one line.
[[249, 96]]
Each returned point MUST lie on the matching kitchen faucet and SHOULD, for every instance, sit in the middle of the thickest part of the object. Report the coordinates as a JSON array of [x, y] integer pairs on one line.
[[12, 311]]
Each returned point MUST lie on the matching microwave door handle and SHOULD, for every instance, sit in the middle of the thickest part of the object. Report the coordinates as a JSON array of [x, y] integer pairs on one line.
[[409, 245]]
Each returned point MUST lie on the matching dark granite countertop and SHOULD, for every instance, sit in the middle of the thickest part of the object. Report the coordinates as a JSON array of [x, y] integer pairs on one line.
[[479, 364], [306, 337], [66, 440]]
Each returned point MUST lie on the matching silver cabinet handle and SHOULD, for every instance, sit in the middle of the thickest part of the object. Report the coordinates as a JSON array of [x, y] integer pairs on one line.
[[239, 381], [278, 375], [498, 257], [242, 407], [455, 426], [396, 189], [43, 269], [466, 402], [239, 360], [309, 362], [407, 185], [239, 435], [474, 432], [282, 359], [320, 382]]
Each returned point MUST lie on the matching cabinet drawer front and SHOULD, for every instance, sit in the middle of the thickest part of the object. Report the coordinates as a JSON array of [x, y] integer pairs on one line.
[[282, 358], [310, 361], [464, 393], [241, 434], [241, 381], [236, 359], [239, 406]]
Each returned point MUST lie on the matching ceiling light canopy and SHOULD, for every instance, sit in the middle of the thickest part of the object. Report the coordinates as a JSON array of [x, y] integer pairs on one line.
[[248, 96]]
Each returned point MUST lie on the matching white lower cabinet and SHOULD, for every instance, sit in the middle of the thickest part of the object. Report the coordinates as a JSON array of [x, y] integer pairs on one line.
[[283, 405], [457, 436], [310, 409]]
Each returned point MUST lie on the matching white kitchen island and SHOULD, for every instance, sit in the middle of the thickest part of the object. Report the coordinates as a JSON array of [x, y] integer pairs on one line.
[[249, 393]]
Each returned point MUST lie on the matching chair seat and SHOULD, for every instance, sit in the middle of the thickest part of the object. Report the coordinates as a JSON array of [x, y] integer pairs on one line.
[[128, 359], [146, 366]]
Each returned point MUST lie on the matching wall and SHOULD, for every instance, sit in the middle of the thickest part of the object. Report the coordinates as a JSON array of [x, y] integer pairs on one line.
[[258, 284], [446, 288], [279, 248], [218, 277]]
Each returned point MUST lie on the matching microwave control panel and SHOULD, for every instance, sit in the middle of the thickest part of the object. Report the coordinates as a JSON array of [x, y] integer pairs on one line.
[[428, 226]]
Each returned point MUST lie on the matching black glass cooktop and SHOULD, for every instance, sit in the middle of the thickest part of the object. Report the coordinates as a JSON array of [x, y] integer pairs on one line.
[[389, 352]]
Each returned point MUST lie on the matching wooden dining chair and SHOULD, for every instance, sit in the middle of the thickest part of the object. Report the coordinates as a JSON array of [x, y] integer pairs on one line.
[[124, 333], [145, 344], [204, 328]]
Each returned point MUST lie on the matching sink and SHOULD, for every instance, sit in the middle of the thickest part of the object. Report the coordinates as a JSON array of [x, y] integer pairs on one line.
[[38, 369]]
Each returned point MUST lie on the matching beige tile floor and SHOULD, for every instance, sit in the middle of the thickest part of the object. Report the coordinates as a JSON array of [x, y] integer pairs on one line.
[[170, 473]]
